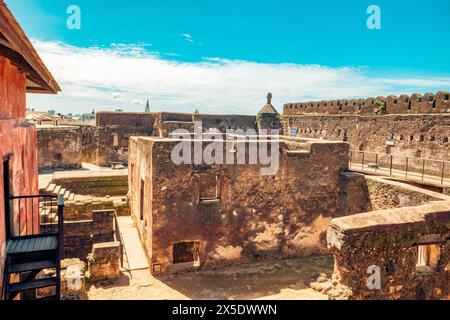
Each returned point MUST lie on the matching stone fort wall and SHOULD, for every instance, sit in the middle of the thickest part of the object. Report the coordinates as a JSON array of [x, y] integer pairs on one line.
[[423, 135], [404, 104]]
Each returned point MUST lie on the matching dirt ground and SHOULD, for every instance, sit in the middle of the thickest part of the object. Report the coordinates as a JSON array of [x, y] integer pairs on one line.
[[276, 279]]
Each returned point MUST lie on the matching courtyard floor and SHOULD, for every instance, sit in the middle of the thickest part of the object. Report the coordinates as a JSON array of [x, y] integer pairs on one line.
[[268, 279], [276, 280]]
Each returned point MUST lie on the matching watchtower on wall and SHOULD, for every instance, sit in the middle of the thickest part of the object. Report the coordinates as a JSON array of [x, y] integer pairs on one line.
[[268, 117]]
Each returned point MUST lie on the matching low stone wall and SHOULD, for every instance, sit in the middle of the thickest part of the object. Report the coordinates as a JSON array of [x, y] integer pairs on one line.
[[385, 194], [377, 253], [82, 209], [368, 193], [104, 261], [73, 280], [80, 236]]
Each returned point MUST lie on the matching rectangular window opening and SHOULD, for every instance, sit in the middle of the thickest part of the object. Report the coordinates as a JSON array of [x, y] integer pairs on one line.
[[209, 188], [187, 252]]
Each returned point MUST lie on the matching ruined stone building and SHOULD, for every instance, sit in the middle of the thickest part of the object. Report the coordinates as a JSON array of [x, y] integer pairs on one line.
[[201, 215], [67, 146]]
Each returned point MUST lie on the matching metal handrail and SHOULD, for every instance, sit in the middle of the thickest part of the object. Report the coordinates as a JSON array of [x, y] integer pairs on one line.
[[118, 237], [442, 163], [399, 156], [34, 203]]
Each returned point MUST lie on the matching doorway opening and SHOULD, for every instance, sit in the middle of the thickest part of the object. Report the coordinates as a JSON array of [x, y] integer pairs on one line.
[[6, 196]]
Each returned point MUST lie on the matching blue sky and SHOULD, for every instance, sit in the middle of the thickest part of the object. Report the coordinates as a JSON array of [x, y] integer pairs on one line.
[[222, 56]]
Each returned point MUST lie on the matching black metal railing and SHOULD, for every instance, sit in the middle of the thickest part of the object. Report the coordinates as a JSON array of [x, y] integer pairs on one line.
[[423, 170], [37, 215], [118, 238]]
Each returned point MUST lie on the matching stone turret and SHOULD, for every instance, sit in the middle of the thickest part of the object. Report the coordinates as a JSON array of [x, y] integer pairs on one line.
[[268, 117]]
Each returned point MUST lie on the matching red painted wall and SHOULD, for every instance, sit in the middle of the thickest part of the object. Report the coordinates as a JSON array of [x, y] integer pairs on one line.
[[19, 140]]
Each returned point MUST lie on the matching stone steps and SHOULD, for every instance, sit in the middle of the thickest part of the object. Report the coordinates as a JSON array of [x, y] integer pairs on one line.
[[51, 187], [55, 189], [95, 186], [67, 195]]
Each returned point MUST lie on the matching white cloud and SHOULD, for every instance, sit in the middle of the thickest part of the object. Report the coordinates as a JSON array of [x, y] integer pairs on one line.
[[137, 102], [89, 77], [187, 37]]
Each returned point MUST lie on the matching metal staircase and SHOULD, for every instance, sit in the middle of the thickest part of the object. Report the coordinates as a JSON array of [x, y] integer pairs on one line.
[[34, 248]]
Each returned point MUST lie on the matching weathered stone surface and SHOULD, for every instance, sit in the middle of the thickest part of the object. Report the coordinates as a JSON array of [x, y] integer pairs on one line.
[[95, 185], [389, 239], [82, 235], [59, 147], [73, 279], [282, 215], [82, 209], [104, 261], [405, 104], [421, 135]]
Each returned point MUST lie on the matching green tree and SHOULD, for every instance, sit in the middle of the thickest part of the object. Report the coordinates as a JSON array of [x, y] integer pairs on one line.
[[147, 107]]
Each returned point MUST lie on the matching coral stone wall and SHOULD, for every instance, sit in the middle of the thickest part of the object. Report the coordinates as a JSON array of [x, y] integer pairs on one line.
[[386, 194], [224, 122], [254, 216], [112, 142], [59, 147], [18, 141], [370, 193], [388, 241], [81, 235], [425, 136], [404, 104], [130, 119], [107, 142]]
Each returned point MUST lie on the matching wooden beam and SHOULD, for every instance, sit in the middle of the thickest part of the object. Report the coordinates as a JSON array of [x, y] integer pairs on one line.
[[16, 38], [18, 61]]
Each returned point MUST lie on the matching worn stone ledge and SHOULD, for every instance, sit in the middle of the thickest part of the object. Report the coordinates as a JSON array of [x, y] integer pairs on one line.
[[390, 218]]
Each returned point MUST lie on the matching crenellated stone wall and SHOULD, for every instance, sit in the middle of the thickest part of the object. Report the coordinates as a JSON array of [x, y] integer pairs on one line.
[[404, 104], [421, 136]]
